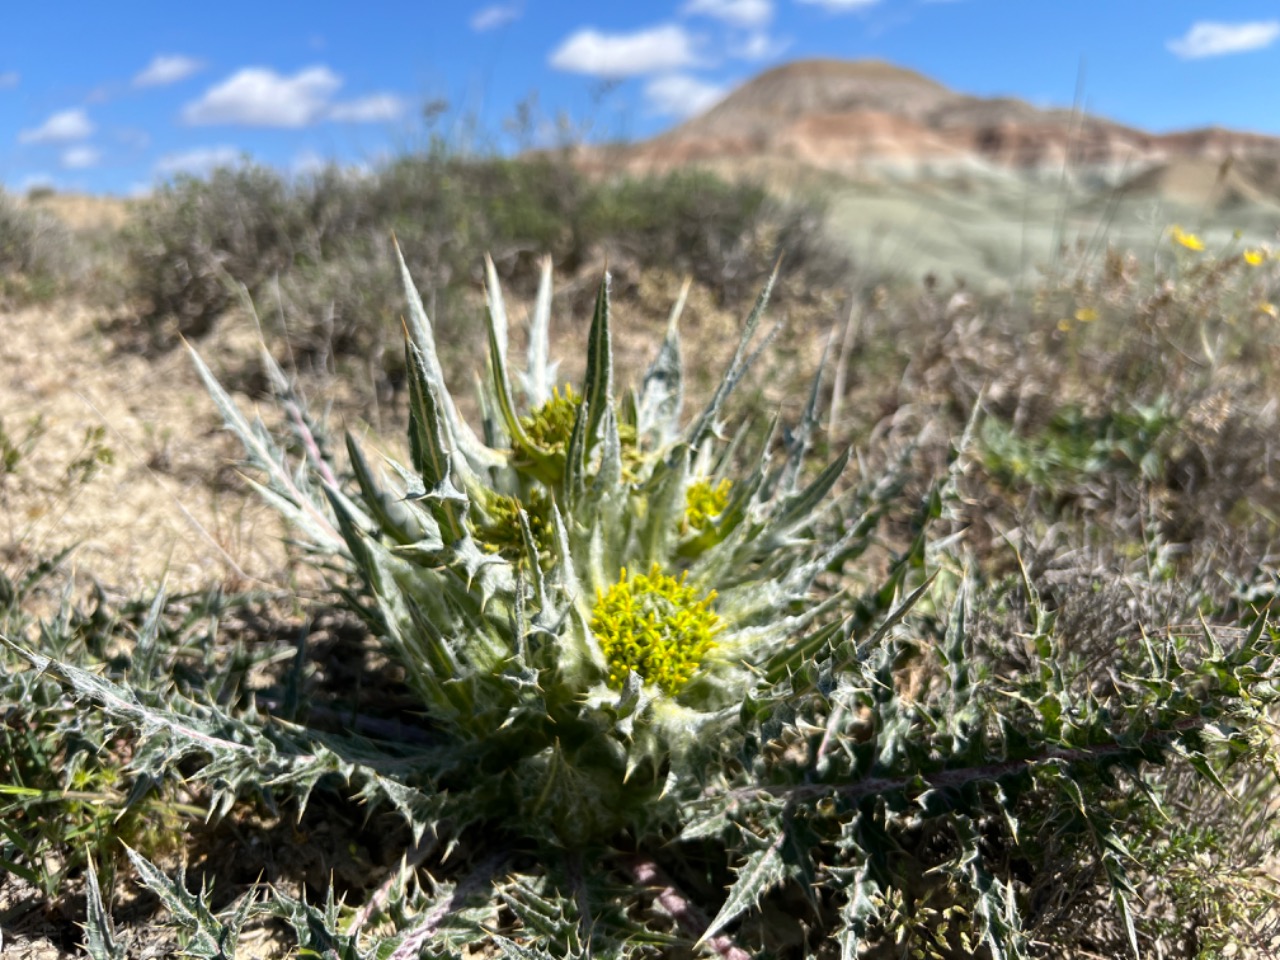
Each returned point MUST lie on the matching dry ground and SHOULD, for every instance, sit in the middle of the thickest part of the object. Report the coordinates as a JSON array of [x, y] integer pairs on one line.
[[168, 506]]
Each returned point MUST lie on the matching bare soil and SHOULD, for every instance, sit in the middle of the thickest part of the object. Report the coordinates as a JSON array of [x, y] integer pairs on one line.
[[169, 506]]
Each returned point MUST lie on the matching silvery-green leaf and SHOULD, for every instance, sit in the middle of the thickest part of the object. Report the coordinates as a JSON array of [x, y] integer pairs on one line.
[[609, 478], [662, 392], [501, 383], [563, 574], [295, 503], [763, 870], [798, 508], [535, 563], [576, 454], [705, 424], [429, 447], [497, 308], [856, 915], [801, 438], [391, 516], [420, 332], [597, 389], [99, 933], [540, 375]]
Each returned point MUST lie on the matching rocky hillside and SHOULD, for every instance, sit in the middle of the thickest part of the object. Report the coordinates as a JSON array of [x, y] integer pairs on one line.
[[870, 119]]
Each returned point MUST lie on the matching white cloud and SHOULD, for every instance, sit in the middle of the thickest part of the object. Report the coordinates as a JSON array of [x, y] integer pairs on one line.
[[81, 158], [739, 13], [840, 6], [9, 79], [491, 18], [680, 95], [666, 47], [759, 45], [1207, 39], [198, 161], [375, 109], [59, 128], [259, 97], [166, 69]]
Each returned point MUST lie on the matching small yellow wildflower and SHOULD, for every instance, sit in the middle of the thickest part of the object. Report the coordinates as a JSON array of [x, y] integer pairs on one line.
[[1064, 324], [1086, 314], [1188, 240], [1269, 309], [1254, 257], [655, 626], [704, 502]]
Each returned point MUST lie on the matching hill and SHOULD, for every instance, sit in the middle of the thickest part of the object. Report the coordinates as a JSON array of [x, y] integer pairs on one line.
[[870, 119]]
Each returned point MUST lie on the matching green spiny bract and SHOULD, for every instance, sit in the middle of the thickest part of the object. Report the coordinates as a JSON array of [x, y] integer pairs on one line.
[[582, 599]]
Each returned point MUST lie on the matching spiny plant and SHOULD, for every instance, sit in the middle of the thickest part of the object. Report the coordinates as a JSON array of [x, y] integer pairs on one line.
[[584, 594], [673, 701]]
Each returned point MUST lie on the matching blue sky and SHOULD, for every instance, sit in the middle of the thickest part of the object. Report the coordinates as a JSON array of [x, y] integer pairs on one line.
[[111, 97]]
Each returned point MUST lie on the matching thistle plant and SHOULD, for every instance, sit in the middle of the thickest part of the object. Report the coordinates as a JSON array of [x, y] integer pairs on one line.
[[584, 592]]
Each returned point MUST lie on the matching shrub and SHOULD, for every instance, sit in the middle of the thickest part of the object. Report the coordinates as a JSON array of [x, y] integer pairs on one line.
[[326, 239], [34, 254]]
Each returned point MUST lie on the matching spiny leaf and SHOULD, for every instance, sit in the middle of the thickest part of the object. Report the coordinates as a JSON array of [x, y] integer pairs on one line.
[[662, 391], [497, 308], [420, 331], [502, 384], [390, 516], [514, 951], [737, 367], [597, 388], [856, 913], [763, 870], [209, 936], [540, 373], [801, 506], [802, 436], [428, 444], [100, 936], [294, 503]]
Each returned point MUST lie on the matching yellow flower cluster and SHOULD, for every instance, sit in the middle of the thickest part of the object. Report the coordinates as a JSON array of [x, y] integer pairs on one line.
[[704, 502], [497, 525], [551, 425], [655, 626], [550, 428]]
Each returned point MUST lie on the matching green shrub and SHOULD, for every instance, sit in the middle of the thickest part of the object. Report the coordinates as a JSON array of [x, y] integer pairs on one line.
[[317, 250], [34, 252]]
